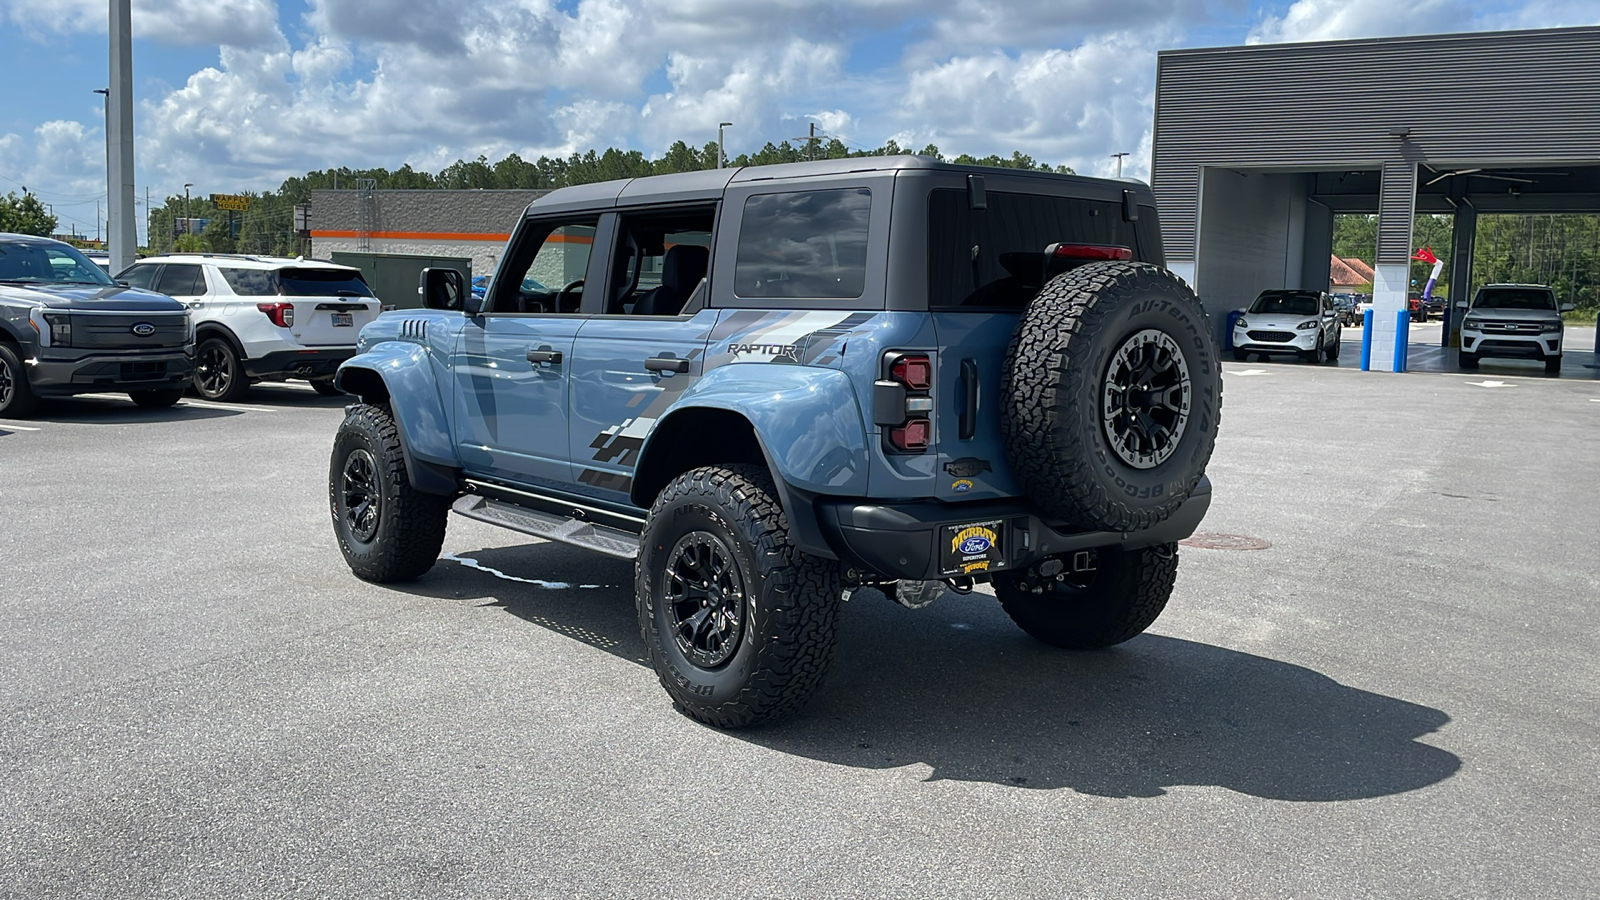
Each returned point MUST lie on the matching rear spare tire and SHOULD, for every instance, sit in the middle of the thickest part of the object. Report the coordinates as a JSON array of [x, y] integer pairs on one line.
[[1112, 396]]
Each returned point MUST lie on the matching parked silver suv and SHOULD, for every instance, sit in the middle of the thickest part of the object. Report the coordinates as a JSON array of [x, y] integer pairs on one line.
[[1512, 320]]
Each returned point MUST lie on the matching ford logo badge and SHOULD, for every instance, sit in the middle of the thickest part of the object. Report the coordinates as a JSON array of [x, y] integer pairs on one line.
[[144, 329], [974, 545]]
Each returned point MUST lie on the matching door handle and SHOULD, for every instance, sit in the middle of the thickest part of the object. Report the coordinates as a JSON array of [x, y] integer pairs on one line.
[[667, 364], [544, 356]]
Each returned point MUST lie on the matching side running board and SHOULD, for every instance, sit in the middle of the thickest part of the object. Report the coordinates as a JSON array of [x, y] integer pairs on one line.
[[551, 527]]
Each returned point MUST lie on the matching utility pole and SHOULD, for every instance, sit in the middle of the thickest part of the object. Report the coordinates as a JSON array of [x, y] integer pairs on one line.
[[119, 137], [188, 220], [1118, 157], [721, 154]]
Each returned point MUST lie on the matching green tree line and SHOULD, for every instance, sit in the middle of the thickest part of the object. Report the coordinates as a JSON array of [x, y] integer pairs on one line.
[[25, 215], [1562, 251], [267, 226]]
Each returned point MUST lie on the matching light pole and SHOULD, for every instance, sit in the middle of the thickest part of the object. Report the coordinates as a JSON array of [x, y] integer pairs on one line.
[[188, 223], [1118, 157], [720, 154]]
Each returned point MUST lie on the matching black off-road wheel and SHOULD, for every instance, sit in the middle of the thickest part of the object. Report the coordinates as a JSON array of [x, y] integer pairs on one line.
[[218, 371], [388, 530], [17, 400], [1112, 396], [739, 624], [1121, 596], [156, 399]]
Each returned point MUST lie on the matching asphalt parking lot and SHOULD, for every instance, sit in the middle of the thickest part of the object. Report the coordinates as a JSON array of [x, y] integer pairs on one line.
[[1398, 698]]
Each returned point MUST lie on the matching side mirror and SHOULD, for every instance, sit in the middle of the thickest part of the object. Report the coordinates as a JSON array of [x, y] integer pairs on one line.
[[1461, 304], [442, 289], [1568, 307]]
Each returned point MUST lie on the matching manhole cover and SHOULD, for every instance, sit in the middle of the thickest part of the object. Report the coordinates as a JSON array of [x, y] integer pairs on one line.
[[1210, 540]]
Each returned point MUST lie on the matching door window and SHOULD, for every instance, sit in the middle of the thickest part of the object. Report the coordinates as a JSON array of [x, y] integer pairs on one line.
[[139, 276], [545, 271], [181, 280], [660, 261]]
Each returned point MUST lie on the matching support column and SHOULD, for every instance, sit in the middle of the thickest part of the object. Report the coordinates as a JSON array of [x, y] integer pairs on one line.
[[123, 240], [1391, 275], [1463, 238]]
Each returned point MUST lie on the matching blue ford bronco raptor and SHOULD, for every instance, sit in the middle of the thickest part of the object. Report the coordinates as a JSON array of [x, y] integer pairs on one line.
[[771, 386]]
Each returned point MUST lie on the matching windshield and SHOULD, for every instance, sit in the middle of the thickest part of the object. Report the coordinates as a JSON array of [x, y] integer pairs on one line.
[[1289, 304], [1515, 298], [322, 283], [40, 263]]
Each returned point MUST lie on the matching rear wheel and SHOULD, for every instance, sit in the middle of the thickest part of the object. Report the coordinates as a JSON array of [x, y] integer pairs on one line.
[[17, 400], [1118, 598], [156, 399], [738, 623], [388, 530], [218, 371]]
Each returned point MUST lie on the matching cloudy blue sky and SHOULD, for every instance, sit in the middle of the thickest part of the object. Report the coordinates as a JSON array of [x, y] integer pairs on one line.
[[239, 94]]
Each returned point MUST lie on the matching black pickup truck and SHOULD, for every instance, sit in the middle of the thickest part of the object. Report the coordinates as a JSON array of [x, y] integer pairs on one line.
[[67, 328]]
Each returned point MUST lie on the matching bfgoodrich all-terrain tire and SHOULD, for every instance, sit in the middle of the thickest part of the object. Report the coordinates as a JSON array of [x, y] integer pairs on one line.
[[388, 530], [1112, 396], [1119, 599], [739, 624]]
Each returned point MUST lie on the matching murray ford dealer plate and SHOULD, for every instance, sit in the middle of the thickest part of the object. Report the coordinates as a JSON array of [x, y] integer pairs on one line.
[[970, 549]]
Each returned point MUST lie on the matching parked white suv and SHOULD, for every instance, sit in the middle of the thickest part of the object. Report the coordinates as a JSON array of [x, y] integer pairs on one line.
[[262, 318], [1304, 323], [1513, 320]]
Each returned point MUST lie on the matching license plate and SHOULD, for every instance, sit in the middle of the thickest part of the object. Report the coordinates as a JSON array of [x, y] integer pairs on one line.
[[971, 549], [343, 320]]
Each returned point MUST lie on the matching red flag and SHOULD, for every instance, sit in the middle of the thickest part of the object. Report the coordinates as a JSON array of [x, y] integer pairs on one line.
[[1425, 255]]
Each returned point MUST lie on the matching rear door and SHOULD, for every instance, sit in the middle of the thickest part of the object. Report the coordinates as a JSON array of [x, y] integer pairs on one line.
[[986, 265], [330, 304]]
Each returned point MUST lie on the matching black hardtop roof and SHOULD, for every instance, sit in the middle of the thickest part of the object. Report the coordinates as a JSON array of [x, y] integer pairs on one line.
[[710, 183]]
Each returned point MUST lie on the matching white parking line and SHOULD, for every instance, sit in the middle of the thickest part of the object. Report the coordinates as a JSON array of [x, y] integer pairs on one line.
[[207, 404]]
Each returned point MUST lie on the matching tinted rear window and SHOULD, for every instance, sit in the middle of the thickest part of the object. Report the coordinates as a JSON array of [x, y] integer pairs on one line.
[[322, 283], [994, 258], [805, 244], [249, 282], [181, 280], [1515, 298]]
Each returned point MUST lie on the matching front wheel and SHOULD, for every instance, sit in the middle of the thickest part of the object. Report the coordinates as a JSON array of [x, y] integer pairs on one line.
[[218, 371], [1241, 355], [156, 399], [388, 530], [738, 623], [1314, 355], [1552, 365], [1467, 361], [1338, 342], [17, 400], [1119, 596]]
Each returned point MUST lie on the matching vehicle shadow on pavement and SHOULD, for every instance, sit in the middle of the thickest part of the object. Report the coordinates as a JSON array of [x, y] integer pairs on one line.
[[98, 411], [958, 688]]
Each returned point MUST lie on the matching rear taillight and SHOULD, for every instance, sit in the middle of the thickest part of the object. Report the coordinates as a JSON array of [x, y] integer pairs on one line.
[[1094, 252], [901, 403], [281, 314]]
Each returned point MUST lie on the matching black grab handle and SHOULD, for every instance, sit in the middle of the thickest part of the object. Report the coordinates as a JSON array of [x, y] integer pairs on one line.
[[667, 364]]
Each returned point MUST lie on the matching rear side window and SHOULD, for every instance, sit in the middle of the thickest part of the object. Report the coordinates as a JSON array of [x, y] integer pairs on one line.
[[139, 276], [249, 282], [322, 283], [803, 245], [181, 280], [994, 258]]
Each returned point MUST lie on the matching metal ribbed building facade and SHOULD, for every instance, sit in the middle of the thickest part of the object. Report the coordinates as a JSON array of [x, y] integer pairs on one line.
[[1521, 97]]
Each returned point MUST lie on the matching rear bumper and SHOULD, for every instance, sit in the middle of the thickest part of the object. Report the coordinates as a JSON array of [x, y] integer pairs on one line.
[[312, 364], [906, 540], [61, 376]]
